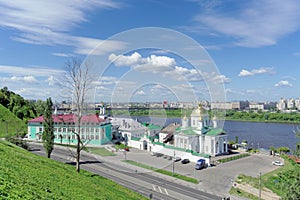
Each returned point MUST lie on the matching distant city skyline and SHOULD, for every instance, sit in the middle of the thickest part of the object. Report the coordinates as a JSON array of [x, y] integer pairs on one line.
[[254, 45]]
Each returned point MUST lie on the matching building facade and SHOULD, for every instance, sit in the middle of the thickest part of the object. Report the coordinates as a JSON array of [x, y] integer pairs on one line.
[[94, 130]]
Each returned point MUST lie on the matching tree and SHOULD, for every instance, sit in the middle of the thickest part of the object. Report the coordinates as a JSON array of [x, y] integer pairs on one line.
[[77, 81], [48, 134], [283, 149], [297, 149], [39, 107]]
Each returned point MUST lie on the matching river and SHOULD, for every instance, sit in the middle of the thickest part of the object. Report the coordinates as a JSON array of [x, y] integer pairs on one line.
[[258, 134]]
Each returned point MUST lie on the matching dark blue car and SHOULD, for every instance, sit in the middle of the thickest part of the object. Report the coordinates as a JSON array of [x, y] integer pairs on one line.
[[200, 164]]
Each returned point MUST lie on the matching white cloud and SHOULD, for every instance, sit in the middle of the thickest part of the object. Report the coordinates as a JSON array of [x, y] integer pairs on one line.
[[62, 54], [48, 22], [263, 70], [221, 79], [140, 92], [161, 61], [51, 80], [245, 73], [283, 83], [253, 23], [156, 64], [131, 60], [94, 46], [152, 63], [28, 71], [28, 79]]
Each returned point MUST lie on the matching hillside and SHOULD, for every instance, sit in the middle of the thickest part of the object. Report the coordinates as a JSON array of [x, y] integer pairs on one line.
[[10, 123], [24, 175]]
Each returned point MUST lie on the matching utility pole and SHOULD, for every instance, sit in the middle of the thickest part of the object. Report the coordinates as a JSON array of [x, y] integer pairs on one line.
[[259, 185], [173, 164]]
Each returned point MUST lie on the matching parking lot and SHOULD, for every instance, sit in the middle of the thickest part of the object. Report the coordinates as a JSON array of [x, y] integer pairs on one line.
[[217, 179]]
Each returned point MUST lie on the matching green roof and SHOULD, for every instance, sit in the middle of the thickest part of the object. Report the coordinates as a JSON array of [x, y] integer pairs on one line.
[[215, 132], [152, 126], [209, 131], [187, 130]]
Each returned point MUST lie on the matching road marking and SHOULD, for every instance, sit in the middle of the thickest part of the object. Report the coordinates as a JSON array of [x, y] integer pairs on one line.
[[166, 191], [161, 189], [153, 187]]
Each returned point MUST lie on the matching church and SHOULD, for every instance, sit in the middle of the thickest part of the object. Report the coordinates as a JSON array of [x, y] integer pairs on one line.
[[198, 134]]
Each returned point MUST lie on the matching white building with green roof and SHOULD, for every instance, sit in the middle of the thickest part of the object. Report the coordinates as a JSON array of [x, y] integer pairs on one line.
[[197, 137], [201, 135]]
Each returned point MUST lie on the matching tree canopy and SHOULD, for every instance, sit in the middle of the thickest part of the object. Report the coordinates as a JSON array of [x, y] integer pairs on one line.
[[48, 133], [21, 108]]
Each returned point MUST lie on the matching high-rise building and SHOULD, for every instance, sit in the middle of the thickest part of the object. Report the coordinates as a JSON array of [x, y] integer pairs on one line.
[[282, 104]]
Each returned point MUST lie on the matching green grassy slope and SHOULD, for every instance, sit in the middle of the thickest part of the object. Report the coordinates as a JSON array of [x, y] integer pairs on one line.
[[13, 124], [24, 175]]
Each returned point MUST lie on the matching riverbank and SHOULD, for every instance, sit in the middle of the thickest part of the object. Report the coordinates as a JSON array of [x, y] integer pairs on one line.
[[230, 115]]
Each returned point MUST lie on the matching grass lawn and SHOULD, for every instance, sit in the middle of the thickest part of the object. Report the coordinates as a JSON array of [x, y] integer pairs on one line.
[[99, 151], [179, 176], [271, 180], [24, 175], [238, 192], [10, 124]]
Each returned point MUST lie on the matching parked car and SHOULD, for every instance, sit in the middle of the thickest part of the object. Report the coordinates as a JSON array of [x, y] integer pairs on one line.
[[185, 161], [176, 159], [159, 154], [277, 163], [200, 164]]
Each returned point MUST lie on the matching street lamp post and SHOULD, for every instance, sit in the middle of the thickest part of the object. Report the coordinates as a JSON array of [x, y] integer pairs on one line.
[[259, 185], [173, 164]]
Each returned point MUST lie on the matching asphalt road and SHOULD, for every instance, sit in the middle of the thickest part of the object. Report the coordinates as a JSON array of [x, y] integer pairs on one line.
[[147, 184], [214, 180]]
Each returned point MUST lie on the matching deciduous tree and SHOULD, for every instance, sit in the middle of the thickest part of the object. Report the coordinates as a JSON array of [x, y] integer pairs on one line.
[[77, 82]]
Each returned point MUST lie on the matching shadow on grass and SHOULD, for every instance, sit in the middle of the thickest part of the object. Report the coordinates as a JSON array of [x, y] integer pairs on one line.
[[83, 162]]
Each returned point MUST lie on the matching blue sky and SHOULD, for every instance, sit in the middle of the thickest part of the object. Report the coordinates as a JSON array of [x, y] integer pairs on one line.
[[255, 46]]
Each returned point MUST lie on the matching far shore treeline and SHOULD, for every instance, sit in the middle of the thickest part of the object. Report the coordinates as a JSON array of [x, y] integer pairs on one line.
[[247, 115]]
